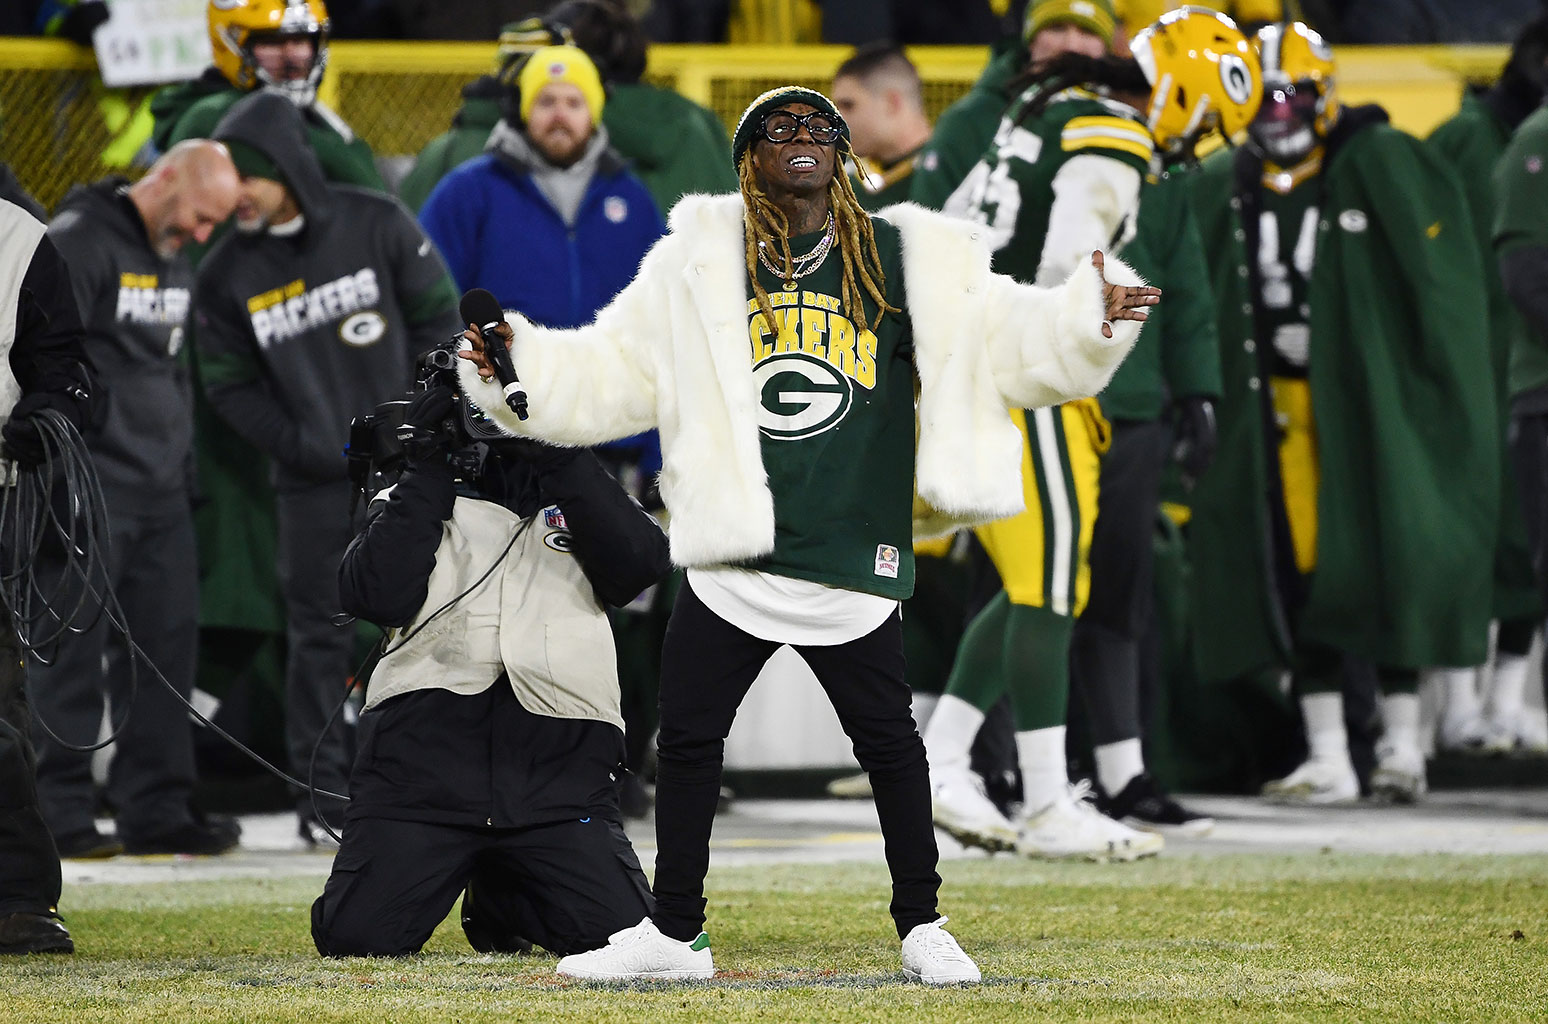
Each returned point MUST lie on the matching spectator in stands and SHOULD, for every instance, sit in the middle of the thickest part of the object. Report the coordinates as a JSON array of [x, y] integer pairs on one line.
[[1473, 141], [132, 282], [693, 156], [878, 92], [276, 45], [41, 340], [309, 314], [1333, 524]]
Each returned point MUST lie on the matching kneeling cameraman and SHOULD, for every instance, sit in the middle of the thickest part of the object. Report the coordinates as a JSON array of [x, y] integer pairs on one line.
[[491, 744]]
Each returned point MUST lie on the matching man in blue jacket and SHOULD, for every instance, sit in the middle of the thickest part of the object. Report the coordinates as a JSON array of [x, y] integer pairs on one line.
[[549, 219]]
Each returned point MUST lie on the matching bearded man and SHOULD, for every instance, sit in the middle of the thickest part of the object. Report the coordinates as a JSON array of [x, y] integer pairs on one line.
[[778, 338]]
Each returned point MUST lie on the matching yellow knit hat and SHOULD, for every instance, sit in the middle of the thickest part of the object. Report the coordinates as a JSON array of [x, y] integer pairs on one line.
[[560, 64], [1095, 16]]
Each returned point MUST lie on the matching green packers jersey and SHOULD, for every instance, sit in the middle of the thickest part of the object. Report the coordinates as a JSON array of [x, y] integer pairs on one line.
[[1287, 250], [836, 415], [1010, 190], [878, 186]]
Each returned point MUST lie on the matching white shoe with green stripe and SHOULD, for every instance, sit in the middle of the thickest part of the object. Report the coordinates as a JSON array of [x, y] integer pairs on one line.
[[643, 952]]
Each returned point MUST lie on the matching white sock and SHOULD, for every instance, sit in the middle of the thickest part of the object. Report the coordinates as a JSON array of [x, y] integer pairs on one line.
[[923, 707], [1459, 693], [1325, 735], [1118, 763], [1400, 718], [1045, 775], [1508, 687], [949, 738]]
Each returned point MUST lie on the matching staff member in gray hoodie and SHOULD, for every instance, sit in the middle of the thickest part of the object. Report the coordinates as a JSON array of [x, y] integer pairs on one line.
[[309, 314], [124, 245]]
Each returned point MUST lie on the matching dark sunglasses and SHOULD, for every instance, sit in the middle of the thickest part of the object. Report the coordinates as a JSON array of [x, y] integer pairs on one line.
[[782, 125]]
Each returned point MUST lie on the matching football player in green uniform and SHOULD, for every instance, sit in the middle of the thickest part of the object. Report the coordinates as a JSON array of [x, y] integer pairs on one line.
[[1473, 141], [1065, 170], [827, 384], [1352, 510]]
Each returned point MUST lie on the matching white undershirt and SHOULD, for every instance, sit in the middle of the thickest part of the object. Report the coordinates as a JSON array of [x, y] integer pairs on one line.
[[786, 610]]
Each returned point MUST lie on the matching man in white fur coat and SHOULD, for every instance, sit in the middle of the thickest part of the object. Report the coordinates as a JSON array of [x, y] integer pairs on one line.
[[827, 385]]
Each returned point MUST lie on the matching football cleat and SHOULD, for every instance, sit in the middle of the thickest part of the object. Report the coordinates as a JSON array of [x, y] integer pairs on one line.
[[1071, 828], [1317, 781], [962, 810]]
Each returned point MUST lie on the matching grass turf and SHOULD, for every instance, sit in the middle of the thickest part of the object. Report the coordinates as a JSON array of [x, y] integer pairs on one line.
[[1208, 938]]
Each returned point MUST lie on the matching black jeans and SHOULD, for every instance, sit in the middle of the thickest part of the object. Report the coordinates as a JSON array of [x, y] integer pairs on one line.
[[707, 666], [29, 865]]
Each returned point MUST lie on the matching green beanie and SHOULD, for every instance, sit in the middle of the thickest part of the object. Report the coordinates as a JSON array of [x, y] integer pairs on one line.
[[1095, 15], [252, 162], [752, 117]]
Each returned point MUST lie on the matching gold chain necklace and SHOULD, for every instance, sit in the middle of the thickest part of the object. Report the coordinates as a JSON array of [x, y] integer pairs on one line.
[[801, 265]]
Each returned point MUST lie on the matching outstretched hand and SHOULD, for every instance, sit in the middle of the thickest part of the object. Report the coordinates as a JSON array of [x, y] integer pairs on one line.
[[1121, 302]]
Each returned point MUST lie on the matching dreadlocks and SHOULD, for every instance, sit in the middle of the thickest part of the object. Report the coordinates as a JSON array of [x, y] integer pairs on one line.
[[767, 225], [1105, 74]]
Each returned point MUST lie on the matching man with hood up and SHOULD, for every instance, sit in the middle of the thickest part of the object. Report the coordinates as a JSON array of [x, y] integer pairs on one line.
[[309, 314]]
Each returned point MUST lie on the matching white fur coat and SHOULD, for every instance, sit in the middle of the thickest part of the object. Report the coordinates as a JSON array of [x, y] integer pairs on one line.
[[671, 352]]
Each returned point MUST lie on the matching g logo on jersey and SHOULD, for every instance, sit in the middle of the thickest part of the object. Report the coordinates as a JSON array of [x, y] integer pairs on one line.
[[800, 396], [363, 329]]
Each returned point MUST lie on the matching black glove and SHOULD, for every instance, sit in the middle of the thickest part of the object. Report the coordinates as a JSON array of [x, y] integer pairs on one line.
[[22, 436], [1196, 436], [426, 433]]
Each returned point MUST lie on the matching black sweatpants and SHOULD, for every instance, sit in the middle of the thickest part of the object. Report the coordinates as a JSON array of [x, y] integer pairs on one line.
[[707, 666], [152, 564], [29, 865], [565, 886], [314, 531], [1105, 652]]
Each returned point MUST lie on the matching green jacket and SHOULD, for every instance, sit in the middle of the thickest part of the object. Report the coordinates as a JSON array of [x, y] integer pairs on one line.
[[1472, 142], [674, 145], [965, 129], [190, 110], [1406, 425], [1521, 219], [1178, 351]]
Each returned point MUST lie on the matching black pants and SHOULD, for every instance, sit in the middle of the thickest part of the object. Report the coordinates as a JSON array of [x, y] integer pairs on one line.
[[707, 666], [1105, 653], [153, 570], [314, 531], [1529, 457], [29, 865], [565, 887]]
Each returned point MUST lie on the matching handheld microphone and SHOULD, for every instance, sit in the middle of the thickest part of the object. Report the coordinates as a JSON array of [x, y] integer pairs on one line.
[[482, 308]]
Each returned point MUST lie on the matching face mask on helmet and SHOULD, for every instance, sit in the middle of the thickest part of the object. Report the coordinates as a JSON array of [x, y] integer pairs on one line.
[[280, 45], [1284, 129]]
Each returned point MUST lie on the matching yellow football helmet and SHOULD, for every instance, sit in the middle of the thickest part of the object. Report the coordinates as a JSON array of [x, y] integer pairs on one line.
[[236, 24], [1203, 77], [1294, 54]]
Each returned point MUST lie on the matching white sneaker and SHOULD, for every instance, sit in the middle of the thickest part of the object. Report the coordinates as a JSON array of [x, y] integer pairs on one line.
[[1321, 780], [1399, 775], [960, 808], [642, 952], [851, 786], [1475, 735], [1526, 729], [1072, 827], [932, 956]]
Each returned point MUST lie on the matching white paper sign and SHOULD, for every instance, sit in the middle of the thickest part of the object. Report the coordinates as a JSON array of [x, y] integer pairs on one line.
[[149, 41]]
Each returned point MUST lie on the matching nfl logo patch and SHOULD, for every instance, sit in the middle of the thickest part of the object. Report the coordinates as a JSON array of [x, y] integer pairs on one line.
[[556, 70], [553, 518], [615, 209]]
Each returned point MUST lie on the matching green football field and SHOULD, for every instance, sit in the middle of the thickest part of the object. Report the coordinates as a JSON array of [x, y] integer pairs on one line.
[[1296, 937]]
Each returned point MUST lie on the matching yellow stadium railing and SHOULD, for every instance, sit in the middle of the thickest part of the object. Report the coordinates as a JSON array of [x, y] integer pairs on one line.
[[399, 95]]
